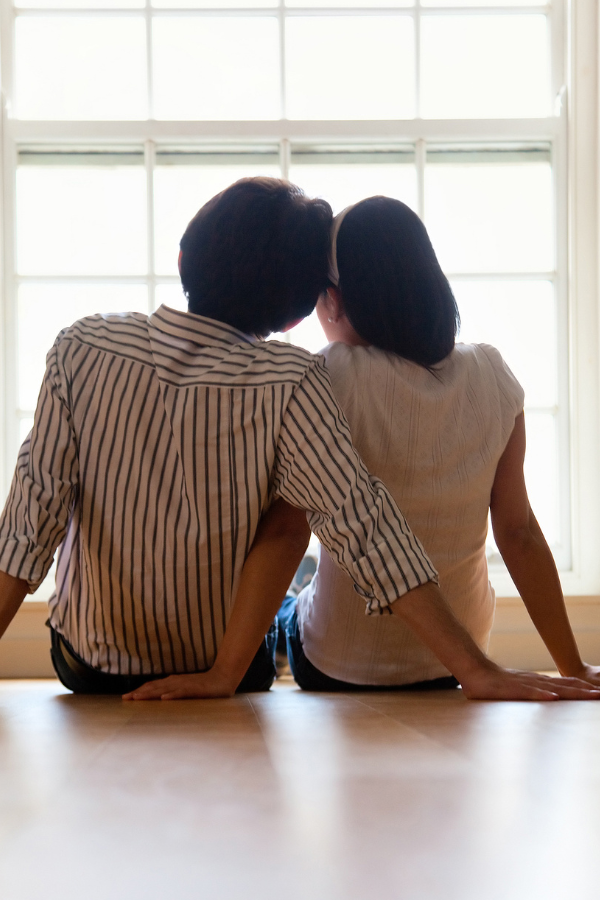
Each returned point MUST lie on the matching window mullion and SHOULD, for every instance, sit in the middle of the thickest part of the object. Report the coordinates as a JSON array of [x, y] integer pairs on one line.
[[149, 162], [285, 156], [420, 160], [282, 80], [417, 39], [8, 326], [149, 60], [561, 287], [557, 54]]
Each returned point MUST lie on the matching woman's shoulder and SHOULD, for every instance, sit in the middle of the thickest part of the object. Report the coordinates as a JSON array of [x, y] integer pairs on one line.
[[358, 373], [476, 363], [348, 357], [479, 351], [479, 355], [371, 364], [491, 367], [337, 352], [347, 361]]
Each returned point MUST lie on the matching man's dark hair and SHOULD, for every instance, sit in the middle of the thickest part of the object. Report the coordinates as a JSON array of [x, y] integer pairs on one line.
[[255, 256], [393, 289]]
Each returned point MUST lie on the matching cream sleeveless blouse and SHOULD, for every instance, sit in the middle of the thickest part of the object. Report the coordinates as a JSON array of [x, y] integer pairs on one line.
[[435, 440]]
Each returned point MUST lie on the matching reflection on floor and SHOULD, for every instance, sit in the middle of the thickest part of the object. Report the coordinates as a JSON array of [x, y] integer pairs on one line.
[[289, 795]]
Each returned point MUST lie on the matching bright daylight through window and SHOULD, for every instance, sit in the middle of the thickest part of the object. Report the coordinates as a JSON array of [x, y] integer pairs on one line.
[[125, 116]]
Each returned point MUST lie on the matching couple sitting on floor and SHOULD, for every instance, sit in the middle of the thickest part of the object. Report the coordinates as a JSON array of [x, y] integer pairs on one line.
[[178, 457]]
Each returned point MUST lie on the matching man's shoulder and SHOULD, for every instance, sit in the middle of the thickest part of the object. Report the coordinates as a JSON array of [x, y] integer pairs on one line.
[[276, 349], [121, 333], [106, 324]]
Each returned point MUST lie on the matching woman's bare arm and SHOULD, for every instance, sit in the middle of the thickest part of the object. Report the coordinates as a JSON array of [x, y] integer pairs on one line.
[[529, 559]]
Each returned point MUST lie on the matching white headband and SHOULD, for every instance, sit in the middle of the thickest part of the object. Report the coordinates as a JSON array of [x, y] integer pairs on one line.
[[334, 275]]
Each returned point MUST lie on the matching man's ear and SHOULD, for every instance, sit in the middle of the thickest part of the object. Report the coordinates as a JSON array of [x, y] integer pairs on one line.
[[179, 261]]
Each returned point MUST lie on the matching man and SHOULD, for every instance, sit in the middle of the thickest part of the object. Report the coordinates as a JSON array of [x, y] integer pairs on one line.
[[158, 444]]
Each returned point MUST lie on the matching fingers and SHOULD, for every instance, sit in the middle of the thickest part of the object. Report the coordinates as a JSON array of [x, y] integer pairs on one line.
[[503, 684], [542, 695], [574, 693], [198, 685], [569, 681], [152, 690], [568, 688], [514, 690]]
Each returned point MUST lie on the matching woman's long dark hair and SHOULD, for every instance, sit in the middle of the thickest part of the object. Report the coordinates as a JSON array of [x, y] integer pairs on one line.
[[393, 290]]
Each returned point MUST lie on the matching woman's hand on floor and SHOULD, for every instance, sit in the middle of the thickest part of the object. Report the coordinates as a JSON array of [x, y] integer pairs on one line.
[[495, 683], [201, 685]]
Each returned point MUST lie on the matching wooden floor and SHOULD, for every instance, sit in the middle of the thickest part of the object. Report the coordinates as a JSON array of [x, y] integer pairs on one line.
[[289, 795]]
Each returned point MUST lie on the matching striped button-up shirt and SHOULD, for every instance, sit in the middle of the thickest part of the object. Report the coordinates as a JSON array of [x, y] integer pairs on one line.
[[157, 444]]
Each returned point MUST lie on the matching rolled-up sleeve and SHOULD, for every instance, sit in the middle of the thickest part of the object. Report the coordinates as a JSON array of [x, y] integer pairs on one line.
[[44, 486], [351, 512]]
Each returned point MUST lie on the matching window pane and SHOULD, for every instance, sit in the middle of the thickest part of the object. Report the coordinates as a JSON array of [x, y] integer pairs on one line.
[[80, 68], [490, 217], [347, 67], [171, 295], [345, 178], [181, 189], [484, 66], [80, 220], [542, 472], [44, 309], [519, 318], [216, 68]]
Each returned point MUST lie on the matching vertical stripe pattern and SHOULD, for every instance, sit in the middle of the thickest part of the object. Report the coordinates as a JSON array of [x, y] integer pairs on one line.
[[157, 443]]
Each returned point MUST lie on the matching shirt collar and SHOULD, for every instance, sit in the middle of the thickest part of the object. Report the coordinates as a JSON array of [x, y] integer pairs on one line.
[[189, 327]]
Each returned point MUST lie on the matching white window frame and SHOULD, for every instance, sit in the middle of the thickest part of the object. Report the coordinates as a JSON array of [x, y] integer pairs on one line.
[[572, 133]]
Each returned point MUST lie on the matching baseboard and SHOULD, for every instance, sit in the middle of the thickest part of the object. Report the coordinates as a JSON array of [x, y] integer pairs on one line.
[[25, 648], [516, 644]]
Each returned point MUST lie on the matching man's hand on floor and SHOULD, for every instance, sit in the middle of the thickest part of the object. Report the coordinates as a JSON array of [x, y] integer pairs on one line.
[[201, 685]]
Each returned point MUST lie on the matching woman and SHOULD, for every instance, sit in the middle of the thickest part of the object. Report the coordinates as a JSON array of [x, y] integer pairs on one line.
[[442, 426]]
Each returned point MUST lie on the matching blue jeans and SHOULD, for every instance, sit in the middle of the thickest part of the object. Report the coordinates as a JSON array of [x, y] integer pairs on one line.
[[81, 678], [309, 678]]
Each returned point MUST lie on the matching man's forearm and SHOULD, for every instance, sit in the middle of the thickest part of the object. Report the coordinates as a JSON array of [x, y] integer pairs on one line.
[[430, 617], [280, 543], [428, 614], [12, 593]]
